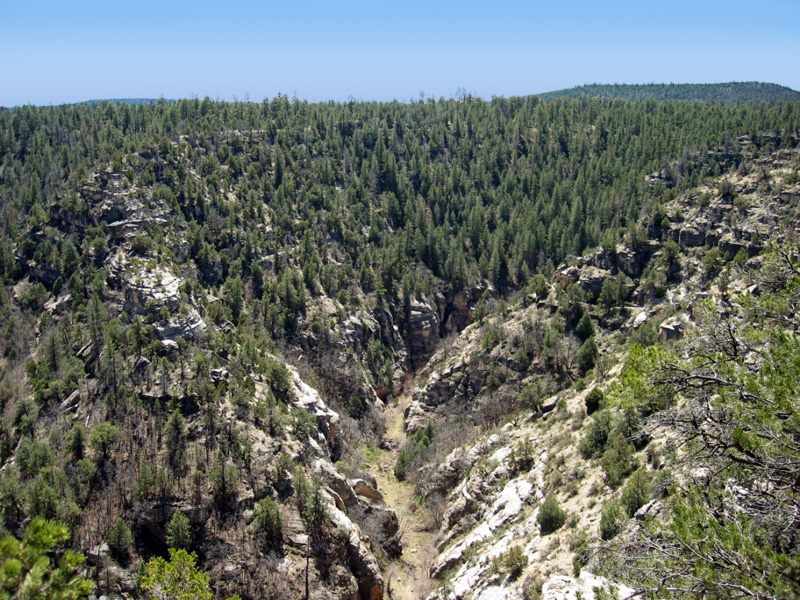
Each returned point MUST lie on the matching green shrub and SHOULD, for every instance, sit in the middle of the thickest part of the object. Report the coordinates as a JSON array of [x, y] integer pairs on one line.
[[419, 440], [103, 437], [533, 396], [612, 294], [646, 334], [611, 519], [551, 516], [619, 461], [28, 568], [177, 578], [598, 431], [594, 400], [662, 484], [511, 563], [636, 492], [32, 296], [492, 337], [523, 456], [585, 327], [315, 511], [224, 481]]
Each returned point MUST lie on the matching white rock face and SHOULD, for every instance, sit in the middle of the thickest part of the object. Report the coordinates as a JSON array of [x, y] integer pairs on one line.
[[190, 325], [506, 508], [584, 587], [496, 592], [307, 398], [509, 504], [152, 286]]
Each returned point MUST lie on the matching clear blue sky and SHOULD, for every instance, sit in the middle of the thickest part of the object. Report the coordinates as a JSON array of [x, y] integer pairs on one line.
[[53, 52]]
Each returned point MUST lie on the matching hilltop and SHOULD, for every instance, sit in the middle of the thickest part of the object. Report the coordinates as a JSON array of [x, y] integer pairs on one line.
[[721, 93]]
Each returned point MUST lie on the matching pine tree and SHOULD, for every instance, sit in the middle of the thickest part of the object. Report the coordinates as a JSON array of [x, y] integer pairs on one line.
[[119, 539], [177, 578], [267, 523], [587, 355], [27, 569], [179, 531]]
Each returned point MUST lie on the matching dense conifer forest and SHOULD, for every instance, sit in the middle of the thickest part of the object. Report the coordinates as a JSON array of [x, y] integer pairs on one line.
[[381, 196], [721, 93], [172, 272]]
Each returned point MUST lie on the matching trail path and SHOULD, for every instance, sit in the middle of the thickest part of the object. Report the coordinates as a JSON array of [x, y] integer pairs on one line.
[[407, 576]]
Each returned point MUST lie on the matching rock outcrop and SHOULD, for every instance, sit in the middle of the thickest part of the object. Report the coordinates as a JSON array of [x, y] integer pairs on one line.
[[585, 587]]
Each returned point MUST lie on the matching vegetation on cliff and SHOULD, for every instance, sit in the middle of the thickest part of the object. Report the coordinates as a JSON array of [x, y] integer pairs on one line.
[[177, 276]]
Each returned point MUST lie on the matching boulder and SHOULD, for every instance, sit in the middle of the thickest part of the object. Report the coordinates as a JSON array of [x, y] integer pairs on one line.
[[189, 326], [360, 560], [671, 329], [549, 405], [362, 488], [336, 483]]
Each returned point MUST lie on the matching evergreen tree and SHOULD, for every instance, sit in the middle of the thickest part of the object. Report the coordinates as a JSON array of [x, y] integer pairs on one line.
[[119, 539], [551, 516], [179, 531], [588, 354], [267, 523], [28, 568], [177, 578]]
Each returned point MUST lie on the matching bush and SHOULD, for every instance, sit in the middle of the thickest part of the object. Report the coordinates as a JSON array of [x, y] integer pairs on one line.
[[551, 516], [418, 441], [611, 519], [511, 563], [224, 481], [619, 461], [103, 436], [533, 396], [28, 568], [597, 433], [142, 245], [646, 334], [636, 492], [594, 400], [492, 337], [585, 327], [177, 578], [612, 294], [315, 511], [587, 355], [32, 296], [725, 189]]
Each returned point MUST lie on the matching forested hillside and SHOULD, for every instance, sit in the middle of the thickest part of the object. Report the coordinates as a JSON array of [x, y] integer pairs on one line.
[[208, 309], [722, 93]]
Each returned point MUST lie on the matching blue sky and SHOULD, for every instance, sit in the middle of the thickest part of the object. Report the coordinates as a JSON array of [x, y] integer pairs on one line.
[[53, 52]]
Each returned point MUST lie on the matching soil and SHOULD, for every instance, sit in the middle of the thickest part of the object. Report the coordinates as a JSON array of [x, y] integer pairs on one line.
[[407, 577]]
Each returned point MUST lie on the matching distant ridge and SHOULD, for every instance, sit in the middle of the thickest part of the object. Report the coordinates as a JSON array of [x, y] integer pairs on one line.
[[124, 101], [722, 93]]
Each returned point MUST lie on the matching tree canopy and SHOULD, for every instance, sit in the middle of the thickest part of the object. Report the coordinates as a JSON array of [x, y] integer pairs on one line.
[[35, 568], [730, 524]]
